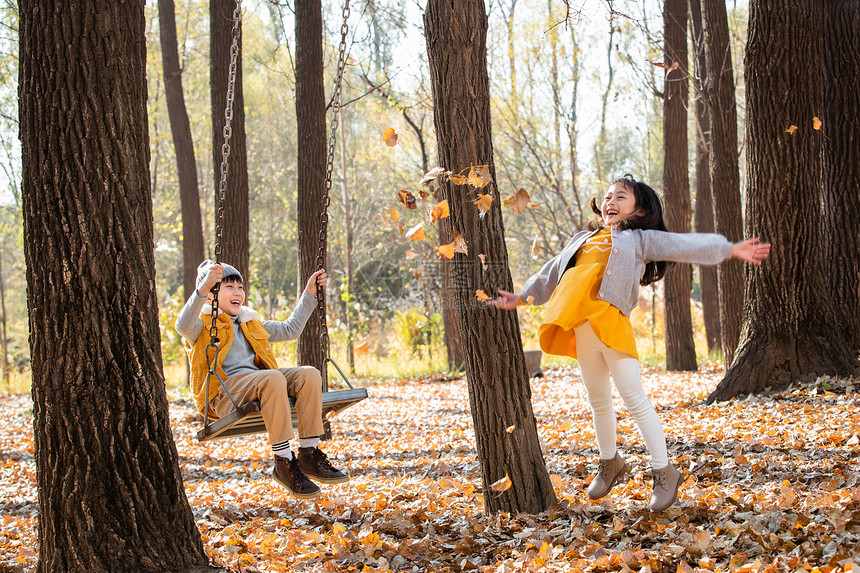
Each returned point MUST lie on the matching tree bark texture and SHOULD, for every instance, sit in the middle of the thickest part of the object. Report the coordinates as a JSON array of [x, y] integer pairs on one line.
[[453, 340], [724, 171], [499, 392], [183, 143], [841, 149], [110, 489], [235, 246], [788, 332], [311, 127], [680, 348], [704, 209]]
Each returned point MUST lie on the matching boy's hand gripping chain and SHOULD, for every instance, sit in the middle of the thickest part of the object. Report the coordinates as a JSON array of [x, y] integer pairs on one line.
[[211, 365]]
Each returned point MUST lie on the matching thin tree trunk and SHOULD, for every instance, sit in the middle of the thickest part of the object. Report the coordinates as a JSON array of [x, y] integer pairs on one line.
[[311, 127], [183, 143], [841, 148], [788, 332], [724, 170], [5, 346], [235, 242], [350, 243], [572, 130], [680, 348], [110, 489], [499, 392], [600, 146], [704, 211]]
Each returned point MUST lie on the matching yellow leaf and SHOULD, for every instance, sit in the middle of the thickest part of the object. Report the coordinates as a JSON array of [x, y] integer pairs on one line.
[[556, 481], [545, 550], [457, 179], [400, 228], [393, 214], [410, 255], [483, 202], [535, 247], [407, 199], [816, 123], [503, 484], [481, 295], [440, 211], [362, 348], [791, 129], [431, 176], [519, 201], [510, 429], [446, 251], [384, 220], [389, 136], [416, 233], [479, 176]]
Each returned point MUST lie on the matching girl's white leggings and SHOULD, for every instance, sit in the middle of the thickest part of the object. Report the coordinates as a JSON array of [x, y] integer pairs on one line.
[[596, 362]]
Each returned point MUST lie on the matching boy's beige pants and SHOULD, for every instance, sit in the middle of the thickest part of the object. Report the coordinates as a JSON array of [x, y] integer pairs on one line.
[[273, 388]]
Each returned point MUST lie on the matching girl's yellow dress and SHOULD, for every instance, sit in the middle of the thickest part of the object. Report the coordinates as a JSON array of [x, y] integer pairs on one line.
[[574, 301]]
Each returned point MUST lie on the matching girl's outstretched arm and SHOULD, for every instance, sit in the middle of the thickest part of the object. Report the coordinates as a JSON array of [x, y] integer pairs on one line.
[[506, 300], [751, 251]]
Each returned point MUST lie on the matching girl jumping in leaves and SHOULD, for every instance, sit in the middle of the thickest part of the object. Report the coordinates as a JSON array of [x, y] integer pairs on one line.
[[591, 287]]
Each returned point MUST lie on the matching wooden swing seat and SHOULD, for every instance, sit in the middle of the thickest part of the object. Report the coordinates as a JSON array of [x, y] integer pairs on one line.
[[248, 419]]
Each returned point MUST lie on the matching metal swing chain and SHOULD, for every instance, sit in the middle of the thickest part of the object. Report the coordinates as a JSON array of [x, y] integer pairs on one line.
[[222, 192], [336, 99]]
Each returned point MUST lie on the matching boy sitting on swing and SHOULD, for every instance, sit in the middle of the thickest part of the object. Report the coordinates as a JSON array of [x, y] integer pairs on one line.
[[250, 371]]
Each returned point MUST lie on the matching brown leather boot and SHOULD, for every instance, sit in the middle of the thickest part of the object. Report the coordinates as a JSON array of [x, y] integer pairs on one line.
[[608, 474], [315, 464], [288, 473], [666, 482]]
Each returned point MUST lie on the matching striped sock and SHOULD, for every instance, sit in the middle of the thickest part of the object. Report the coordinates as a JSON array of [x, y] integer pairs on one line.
[[309, 442], [283, 450]]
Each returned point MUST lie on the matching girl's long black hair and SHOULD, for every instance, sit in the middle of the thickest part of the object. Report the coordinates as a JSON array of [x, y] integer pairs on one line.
[[651, 218]]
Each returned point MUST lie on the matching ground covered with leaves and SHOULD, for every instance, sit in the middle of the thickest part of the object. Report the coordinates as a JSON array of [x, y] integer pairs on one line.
[[772, 484]]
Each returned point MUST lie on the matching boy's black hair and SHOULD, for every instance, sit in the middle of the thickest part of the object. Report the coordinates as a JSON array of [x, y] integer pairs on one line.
[[652, 218]]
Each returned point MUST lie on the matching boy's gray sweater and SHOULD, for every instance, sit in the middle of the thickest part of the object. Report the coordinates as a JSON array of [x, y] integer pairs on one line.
[[240, 356], [631, 249]]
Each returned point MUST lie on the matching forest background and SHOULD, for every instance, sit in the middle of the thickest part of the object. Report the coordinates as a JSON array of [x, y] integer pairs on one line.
[[575, 103]]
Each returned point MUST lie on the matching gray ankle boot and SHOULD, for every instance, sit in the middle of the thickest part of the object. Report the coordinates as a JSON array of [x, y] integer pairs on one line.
[[666, 482], [608, 473]]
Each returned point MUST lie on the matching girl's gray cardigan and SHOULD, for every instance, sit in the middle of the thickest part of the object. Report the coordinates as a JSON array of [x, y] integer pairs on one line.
[[631, 249]]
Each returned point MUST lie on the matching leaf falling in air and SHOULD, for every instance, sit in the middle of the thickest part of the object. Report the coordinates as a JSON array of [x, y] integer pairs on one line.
[[816, 123], [416, 233], [481, 295], [535, 247], [400, 227], [389, 136], [431, 176], [423, 194], [384, 220], [407, 199], [445, 251], [479, 176], [459, 243], [417, 274], [457, 179], [503, 484], [410, 255], [483, 202], [510, 429], [791, 129], [518, 201], [393, 214], [440, 211], [362, 348]]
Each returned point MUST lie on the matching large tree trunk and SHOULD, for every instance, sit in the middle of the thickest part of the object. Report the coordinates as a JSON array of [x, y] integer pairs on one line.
[[110, 490], [841, 147], [680, 348], [234, 242], [788, 332], [499, 392], [704, 211], [186, 166], [311, 127], [725, 177]]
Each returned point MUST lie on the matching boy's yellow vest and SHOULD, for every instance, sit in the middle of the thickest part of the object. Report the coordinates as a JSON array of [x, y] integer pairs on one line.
[[257, 337]]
